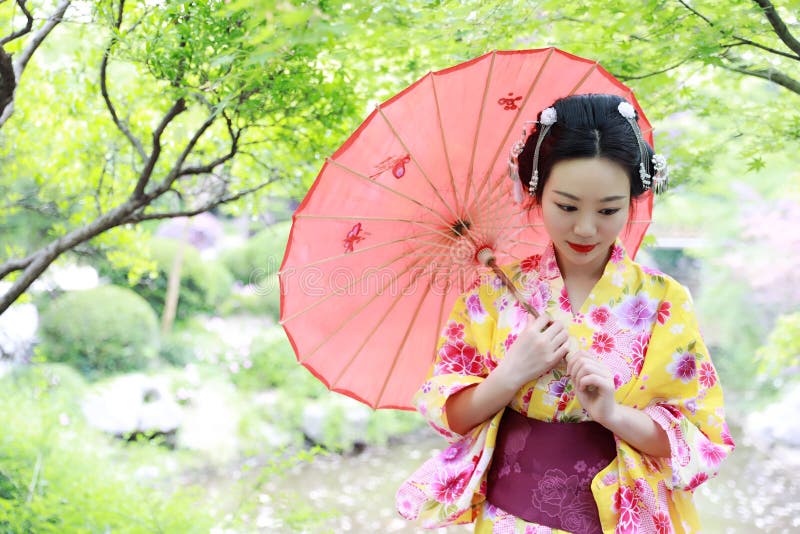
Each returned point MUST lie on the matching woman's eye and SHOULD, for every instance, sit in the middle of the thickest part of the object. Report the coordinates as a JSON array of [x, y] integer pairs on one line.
[[564, 207], [609, 211]]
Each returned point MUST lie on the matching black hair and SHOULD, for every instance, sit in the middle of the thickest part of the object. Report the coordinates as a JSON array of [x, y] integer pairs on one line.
[[587, 126]]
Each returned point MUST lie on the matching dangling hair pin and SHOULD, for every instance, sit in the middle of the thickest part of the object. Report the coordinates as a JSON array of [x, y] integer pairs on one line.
[[548, 119], [513, 162], [659, 162]]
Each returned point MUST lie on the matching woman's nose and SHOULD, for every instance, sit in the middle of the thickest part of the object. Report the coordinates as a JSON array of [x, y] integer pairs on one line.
[[585, 226]]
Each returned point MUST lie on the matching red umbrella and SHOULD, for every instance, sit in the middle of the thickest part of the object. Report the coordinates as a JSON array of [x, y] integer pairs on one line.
[[387, 236]]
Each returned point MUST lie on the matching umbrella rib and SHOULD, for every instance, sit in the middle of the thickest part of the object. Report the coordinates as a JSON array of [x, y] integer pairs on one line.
[[495, 221], [362, 250], [386, 187], [414, 159], [374, 330], [525, 242], [426, 225], [478, 131], [585, 77], [353, 315], [349, 286], [444, 143], [402, 345], [511, 126]]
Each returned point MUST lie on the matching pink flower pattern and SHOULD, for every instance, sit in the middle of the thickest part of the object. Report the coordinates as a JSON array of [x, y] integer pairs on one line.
[[602, 343], [683, 366], [450, 484], [459, 358], [711, 454], [664, 311], [707, 376], [563, 300], [454, 330], [599, 315]]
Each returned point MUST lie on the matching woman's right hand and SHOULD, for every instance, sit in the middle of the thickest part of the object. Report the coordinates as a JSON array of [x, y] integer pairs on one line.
[[539, 347]]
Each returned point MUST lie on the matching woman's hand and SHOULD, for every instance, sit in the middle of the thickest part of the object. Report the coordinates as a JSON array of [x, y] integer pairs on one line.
[[539, 347], [594, 386]]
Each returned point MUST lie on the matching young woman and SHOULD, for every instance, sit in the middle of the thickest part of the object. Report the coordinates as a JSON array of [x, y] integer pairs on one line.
[[605, 412]]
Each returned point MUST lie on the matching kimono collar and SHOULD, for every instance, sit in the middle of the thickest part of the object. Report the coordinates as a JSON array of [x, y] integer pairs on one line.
[[617, 262]]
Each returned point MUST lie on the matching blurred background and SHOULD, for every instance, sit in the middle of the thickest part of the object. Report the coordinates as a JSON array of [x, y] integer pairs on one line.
[[151, 156]]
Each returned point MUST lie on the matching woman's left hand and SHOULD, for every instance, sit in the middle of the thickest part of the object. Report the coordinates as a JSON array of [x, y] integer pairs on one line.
[[594, 385]]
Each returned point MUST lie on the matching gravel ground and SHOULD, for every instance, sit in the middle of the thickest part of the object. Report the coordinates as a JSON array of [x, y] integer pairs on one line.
[[756, 491]]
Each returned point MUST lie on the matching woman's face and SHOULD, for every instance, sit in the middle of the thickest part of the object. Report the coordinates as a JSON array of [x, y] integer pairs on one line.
[[585, 205]]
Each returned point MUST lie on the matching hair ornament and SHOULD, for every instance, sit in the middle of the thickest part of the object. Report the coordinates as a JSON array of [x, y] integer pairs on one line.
[[513, 162], [548, 118], [661, 179], [659, 162]]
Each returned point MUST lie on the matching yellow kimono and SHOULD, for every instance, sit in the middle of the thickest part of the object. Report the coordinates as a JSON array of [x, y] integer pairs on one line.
[[642, 325]]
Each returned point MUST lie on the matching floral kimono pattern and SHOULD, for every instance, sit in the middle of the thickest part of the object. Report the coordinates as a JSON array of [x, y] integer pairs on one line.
[[642, 325]]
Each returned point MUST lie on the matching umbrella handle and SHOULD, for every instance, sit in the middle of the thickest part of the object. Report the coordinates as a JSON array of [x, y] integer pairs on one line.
[[492, 264]]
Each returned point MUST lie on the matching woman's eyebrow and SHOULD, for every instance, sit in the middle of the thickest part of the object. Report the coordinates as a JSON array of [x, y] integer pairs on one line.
[[604, 199]]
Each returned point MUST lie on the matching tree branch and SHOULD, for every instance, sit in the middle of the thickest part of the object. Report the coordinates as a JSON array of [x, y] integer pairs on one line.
[[26, 29], [139, 217], [177, 170], [27, 52], [696, 13], [779, 26], [137, 144], [208, 167], [35, 264], [655, 73], [177, 108], [773, 75], [743, 41]]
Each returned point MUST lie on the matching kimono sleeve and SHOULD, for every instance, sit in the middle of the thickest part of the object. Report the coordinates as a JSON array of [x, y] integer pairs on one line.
[[462, 359], [685, 396]]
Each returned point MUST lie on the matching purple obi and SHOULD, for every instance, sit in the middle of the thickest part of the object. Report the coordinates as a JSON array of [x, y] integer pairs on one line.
[[542, 472]]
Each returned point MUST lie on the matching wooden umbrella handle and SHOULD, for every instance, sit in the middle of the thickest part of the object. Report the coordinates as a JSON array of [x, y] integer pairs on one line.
[[492, 264]]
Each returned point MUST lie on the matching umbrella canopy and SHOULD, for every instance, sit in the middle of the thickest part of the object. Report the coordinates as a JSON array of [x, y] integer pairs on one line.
[[387, 236]]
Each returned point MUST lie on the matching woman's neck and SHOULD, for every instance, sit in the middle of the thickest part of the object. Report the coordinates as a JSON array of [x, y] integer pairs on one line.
[[591, 272]]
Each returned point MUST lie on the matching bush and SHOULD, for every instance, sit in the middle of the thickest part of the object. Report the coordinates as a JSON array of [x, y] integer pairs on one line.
[[100, 331], [205, 284], [261, 256], [779, 358], [57, 475], [273, 364], [263, 300]]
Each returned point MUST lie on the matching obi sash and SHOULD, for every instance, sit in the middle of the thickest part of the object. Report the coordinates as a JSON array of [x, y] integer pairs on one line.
[[542, 472]]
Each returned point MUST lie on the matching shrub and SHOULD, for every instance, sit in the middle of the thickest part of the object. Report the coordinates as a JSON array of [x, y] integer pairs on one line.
[[263, 300], [100, 331], [58, 475], [205, 284], [261, 256], [273, 365]]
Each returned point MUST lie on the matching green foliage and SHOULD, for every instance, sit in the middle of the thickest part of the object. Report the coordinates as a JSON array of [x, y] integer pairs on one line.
[[260, 256], [176, 349], [263, 301], [779, 358], [57, 475], [205, 284], [273, 364], [100, 331]]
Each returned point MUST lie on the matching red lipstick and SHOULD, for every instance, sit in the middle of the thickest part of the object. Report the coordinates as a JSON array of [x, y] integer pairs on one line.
[[582, 249]]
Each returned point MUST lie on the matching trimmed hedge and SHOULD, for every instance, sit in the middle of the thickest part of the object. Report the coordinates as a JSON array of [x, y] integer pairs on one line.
[[100, 331]]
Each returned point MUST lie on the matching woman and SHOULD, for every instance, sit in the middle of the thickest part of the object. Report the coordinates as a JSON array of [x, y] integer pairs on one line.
[[605, 412]]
